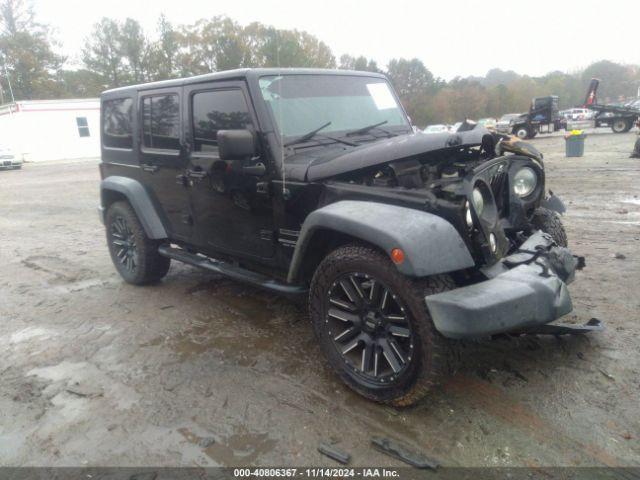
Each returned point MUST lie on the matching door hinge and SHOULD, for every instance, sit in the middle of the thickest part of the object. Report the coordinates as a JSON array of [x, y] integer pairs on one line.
[[262, 187]]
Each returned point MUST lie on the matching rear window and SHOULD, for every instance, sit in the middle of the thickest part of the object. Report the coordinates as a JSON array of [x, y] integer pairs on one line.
[[161, 122], [117, 119]]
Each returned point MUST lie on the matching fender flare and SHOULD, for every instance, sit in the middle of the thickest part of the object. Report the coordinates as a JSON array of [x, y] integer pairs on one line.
[[139, 200], [430, 243]]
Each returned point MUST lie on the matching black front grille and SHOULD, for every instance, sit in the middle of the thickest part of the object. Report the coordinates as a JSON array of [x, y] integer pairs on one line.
[[498, 183]]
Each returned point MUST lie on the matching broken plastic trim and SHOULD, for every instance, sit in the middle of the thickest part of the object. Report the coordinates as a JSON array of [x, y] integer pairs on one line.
[[593, 325], [399, 451]]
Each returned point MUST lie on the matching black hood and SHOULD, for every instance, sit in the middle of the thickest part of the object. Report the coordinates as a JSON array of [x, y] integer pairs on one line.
[[326, 162]]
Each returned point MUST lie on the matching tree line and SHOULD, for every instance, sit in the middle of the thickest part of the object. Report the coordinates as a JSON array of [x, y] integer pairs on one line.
[[118, 53]]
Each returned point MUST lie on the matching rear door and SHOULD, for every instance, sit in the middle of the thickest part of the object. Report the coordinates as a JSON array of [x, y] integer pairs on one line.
[[233, 212], [163, 158]]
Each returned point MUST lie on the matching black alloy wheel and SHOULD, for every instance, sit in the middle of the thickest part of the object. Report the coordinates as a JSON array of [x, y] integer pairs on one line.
[[368, 325], [124, 244], [373, 325], [134, 255]]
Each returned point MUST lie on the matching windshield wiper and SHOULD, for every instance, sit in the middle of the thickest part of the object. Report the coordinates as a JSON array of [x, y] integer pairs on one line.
[[363, 130], [307, 136]]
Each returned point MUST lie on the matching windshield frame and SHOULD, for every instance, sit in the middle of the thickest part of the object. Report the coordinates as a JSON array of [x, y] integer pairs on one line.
[[283, 139]]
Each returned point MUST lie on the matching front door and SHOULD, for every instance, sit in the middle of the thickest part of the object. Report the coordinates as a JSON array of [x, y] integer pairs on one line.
[[163, 159], [232, 210]]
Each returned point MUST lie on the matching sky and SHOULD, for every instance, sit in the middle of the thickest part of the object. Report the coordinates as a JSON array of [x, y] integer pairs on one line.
[[452, 38]]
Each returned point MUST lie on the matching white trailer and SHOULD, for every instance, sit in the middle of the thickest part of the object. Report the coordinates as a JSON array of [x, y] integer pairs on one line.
[[41, 130]]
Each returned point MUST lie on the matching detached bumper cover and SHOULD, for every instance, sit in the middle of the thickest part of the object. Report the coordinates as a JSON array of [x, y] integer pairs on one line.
[[524, 290]]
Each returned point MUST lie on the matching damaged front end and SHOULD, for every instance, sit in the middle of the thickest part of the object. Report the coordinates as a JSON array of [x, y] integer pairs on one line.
[[492, 190], [524, 290]]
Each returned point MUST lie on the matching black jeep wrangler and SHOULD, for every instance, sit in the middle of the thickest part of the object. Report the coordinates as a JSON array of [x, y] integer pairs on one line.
[[313, 182]]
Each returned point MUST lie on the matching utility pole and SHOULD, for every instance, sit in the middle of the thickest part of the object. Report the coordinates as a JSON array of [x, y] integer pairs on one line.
[[6, 72]]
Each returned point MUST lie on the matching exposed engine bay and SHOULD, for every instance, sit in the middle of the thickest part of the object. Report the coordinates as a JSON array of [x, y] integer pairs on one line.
[[488, 191]]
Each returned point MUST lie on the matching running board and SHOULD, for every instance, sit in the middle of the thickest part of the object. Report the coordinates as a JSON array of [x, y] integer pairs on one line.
[[231, 271]]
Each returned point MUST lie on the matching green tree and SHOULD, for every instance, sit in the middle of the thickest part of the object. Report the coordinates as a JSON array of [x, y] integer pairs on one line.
[[165, 51], [103, 54], [271, 47], [212, 45], [415, 85], [79, 84], [347, 62], [410, 77], [617, 81], [135, 50], [26, 51]]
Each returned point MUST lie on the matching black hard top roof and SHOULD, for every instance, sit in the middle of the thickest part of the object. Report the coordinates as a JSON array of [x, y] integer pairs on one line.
[[239, 74]]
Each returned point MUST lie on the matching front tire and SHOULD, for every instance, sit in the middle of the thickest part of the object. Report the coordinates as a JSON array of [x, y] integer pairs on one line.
[[522, 133], [373, 325], [134, 255], [549, 222]]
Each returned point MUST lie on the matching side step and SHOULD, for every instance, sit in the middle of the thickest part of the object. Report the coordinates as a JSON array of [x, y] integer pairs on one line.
[[231, 271]]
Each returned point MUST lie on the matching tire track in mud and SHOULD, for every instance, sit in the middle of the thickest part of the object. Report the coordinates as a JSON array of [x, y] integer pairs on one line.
[[499, 405]]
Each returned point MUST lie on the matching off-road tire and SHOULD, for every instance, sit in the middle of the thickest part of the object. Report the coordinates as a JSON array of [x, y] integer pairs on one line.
[[549, 222], [435, 357], [150, 265]]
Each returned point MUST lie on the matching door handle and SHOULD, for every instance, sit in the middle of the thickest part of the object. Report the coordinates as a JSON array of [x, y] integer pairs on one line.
[[147, 167]]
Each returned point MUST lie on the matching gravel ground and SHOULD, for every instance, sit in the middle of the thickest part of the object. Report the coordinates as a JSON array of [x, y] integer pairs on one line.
[[200, 370]]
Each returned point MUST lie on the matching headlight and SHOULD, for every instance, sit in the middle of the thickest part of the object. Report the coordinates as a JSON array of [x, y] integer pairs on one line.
[[524, 182], [468, 216], [478, 201]]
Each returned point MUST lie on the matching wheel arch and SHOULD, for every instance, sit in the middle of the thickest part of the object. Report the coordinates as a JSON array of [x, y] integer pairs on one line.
[[117, 188], [431, 244]]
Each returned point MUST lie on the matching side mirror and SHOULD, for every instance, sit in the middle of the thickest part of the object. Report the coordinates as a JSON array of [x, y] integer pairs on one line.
[[236, 144]]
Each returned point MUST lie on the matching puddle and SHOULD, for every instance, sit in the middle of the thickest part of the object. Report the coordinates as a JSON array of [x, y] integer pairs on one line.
[[245, 448], [248, 328]]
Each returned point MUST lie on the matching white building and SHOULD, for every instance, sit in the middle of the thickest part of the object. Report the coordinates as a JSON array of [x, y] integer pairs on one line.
[[39, 130]]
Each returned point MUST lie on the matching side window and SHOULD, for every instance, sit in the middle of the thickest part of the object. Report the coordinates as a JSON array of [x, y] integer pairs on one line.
[[83, 126], [161, 122], [117, 119], [217, 110]]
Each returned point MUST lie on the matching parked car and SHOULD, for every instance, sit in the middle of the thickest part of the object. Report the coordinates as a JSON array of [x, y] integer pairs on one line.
[[505, 123], [8, 158], [454, 128], [440, 128], [577, 114], [488, 122], [400, 243]]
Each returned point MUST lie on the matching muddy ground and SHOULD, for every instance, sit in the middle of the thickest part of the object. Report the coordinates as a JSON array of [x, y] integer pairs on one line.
[[200, 370]]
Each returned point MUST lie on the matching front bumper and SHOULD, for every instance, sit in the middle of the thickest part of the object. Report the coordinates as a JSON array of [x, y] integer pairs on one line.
[[524, 290]]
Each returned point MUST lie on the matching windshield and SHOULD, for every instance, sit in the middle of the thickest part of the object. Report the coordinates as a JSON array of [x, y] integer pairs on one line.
[[302, 103]]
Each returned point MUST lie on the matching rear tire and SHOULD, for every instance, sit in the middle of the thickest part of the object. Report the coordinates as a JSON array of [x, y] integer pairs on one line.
[[621, 126], [549, 222], [402, 325], [134, 255]]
